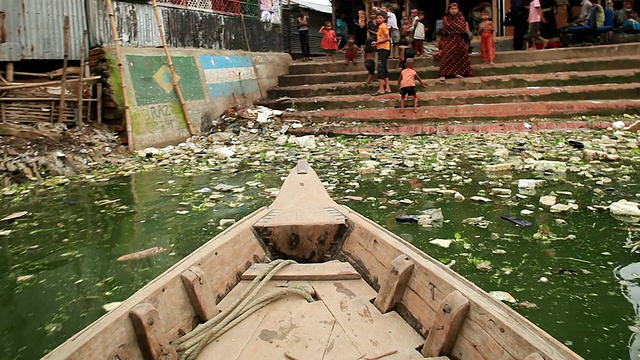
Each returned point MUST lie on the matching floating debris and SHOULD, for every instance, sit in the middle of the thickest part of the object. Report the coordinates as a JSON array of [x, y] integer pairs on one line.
[[142, 254]]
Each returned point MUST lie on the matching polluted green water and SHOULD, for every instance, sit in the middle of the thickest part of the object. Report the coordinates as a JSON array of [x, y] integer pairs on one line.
[[569, 272]]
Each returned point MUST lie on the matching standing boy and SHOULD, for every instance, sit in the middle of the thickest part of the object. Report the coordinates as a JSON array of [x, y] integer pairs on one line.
[[383, 46], [535, 16], [303, 29], [407, 85]]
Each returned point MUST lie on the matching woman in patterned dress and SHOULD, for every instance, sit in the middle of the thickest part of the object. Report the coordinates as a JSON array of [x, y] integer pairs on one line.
[[455, 56]]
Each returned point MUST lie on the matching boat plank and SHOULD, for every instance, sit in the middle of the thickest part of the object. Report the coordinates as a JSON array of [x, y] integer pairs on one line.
[[509, 329], [473, 343], [233, 342], [340, 346], [114, 333], [373, 333], [334, 270], [292, 327]]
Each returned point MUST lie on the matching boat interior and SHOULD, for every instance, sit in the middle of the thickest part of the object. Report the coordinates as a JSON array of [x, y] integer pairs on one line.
[[307, 278]]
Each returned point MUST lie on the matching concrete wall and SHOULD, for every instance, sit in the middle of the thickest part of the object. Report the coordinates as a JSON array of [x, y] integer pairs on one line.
[[211, 82]]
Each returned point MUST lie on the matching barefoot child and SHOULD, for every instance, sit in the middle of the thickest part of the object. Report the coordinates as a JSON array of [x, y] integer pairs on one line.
[[329, 41], [369, 59], [487, 46], [350, 50], [533, 34], [407, 85]]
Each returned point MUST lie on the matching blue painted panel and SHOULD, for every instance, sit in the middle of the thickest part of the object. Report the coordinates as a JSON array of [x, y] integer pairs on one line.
[[235, 87], [221, 62]]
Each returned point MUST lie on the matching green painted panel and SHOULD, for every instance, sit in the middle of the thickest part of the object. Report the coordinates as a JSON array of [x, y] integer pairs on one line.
[[159, 120], [151, 79]]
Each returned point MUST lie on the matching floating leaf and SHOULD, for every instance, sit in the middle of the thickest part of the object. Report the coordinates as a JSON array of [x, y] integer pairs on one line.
[[15, 215]]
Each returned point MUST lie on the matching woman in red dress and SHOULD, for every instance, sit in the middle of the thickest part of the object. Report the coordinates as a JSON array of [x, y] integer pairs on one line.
[[455, 55]]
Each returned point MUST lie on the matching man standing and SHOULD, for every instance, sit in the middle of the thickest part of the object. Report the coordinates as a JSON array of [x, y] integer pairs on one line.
[[394, 31], [521, 23], [303, 30]]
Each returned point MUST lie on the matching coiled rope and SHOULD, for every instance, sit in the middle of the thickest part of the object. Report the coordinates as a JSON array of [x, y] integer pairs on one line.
[[191, 344]]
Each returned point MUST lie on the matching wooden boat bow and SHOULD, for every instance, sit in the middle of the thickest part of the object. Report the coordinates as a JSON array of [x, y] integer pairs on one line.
[[303, 223]]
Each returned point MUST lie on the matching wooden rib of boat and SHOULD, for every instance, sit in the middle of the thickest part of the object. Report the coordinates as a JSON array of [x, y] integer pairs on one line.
[[355, 291]]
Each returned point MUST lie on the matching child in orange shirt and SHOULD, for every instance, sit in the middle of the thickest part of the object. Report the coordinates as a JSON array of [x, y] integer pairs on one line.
[[487, 46], [407, 85], [329, 41]]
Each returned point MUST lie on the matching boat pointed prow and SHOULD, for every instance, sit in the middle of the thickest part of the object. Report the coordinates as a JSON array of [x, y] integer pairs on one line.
[[303, 223]]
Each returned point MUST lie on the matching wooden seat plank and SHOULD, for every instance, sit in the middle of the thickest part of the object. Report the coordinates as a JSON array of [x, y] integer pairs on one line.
[[333, 270], [372, 333]]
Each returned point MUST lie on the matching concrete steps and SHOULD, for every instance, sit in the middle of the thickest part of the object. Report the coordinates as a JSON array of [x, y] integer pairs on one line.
[[557, 83], [431, 72], [505, 57], [472, 112], [462, 97], [471, 83]]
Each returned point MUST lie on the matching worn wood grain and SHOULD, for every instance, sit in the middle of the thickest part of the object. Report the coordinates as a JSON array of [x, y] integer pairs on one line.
[[372, 333], [395, 283], [199, 292], [534, 356], [446, 327], [150, 332], [322, 271]]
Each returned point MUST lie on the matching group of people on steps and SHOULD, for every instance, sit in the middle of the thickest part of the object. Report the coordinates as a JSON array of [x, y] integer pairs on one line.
[[387, 39]]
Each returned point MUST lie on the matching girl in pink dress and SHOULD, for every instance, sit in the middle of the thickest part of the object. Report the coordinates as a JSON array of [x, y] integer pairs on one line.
[[329, 41]]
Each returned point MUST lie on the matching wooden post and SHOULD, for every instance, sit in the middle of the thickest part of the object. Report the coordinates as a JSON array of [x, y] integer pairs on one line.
[[199, 292], [446, 326], [244, 32], [152, 338], [81, 85], [9, 71], [394, 284], [333, 13], [174, 81], [99, 101], [123, 82], [65, 63]]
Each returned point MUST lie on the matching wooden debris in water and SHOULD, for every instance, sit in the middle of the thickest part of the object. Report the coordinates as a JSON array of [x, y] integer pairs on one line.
[[142, 254]]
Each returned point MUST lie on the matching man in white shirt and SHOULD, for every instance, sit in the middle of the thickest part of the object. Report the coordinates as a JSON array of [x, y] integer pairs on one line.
[[394, 32]]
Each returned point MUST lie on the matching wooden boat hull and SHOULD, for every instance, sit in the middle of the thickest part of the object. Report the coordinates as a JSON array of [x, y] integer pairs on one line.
[[454, 317]]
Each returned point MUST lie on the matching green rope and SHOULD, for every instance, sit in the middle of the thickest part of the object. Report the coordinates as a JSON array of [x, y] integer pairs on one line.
[[191, 344]]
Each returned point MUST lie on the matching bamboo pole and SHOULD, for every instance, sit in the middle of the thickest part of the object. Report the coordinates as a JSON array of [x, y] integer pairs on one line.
[[9, 71], [83, 48], [65, 63], [244, 32], [99, 105], [46, 83], [176, 87], [127, 110]]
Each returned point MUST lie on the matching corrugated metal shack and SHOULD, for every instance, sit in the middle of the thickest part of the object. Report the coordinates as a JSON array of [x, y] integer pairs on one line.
[[33, 30]]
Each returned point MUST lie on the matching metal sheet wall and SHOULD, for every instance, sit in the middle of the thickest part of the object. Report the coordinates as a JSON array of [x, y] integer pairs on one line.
[[35, 30], [188, 28]]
